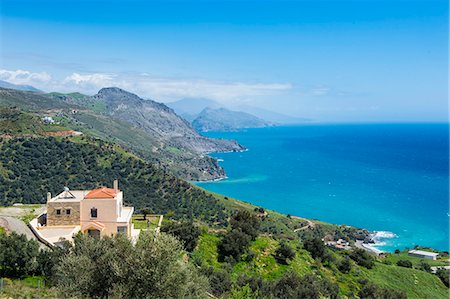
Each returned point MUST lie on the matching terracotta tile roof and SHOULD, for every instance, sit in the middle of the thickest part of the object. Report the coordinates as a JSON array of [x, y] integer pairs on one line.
[[101, 193]]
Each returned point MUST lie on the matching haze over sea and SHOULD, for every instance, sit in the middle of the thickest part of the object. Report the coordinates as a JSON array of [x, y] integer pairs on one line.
[[390, 178]]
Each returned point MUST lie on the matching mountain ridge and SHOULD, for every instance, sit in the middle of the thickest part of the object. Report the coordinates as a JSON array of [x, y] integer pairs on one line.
[[222, 119]]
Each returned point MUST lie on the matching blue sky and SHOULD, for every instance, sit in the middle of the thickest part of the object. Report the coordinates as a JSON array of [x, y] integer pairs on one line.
[[341, 61]]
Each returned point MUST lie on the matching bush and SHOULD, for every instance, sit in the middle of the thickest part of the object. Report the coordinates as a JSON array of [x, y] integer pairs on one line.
[[443, 275], [247, 222], [362, 258], [284, 253], [317, 249], [372, 291], [404, 263], [424, 266], [234, 244], [18, 256], [290, 285], [345, 265], [186, 232], [220, 282]]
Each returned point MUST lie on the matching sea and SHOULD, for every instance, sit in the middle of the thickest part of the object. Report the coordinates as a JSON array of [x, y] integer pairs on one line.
[[392, 179]]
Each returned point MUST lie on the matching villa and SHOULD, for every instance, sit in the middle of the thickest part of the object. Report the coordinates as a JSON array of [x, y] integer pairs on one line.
[[97, 212]]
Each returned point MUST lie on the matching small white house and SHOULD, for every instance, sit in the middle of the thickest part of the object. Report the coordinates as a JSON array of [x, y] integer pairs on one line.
[[48, 120], [423, 254]]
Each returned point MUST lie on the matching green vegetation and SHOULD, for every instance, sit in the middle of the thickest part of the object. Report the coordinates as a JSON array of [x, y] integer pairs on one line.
[[443, 259], [141, 223], [415, 283], [186, 232]]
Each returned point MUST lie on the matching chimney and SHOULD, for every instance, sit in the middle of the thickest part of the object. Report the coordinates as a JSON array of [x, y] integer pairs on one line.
[[116, 186], [49, 196]]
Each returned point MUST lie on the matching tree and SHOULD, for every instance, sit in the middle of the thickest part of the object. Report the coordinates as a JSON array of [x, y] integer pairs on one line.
[[155, 267], [404, 263], [247, 222], [113, 267], [362, 258], [345, 265], [284, 253], [220, 282], [316, 248], [372, 291], [290, 285], [92, 269], [234, 244], [444, 276], [187, 232], [18, 256], [145, 212]]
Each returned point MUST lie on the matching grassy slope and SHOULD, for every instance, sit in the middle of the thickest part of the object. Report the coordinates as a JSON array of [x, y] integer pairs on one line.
[[394, 258], [415, 283]]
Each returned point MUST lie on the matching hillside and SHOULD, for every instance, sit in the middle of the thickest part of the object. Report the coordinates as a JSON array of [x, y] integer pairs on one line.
[[222, 119], [30, 167], [150, 129]]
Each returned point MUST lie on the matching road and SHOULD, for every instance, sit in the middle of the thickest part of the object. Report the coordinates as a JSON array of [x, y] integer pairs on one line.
[[16, 225]]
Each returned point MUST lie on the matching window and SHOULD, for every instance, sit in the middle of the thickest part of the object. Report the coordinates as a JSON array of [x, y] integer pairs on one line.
[[68, 212], [122, 230], [58, 212], [93, 213]]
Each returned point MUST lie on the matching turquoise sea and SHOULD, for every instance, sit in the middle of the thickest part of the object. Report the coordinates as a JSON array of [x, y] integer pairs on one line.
[[389, 178]]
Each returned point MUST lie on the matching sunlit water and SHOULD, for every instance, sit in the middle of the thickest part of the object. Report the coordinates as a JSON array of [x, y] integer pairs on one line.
[[390, 178]]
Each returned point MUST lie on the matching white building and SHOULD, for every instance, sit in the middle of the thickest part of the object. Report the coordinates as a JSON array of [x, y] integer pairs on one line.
[[423, 254]]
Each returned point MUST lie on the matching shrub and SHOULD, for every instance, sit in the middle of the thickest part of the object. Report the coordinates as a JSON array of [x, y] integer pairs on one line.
[[372, 291], [284, 253], [247, 222], [290, 285], [362, 258], [186, 232], [443, 275], [234, 244], [345, 265], [220, 282], [424, 266], [18, 256], [404, 263]]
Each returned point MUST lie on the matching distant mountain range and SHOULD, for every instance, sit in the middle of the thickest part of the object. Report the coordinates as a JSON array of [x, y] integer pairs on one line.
[[191, 108], [222, 119], [4, 84]]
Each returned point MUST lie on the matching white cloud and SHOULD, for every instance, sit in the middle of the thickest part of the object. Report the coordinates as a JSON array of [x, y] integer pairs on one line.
[[24, 77], [148, 86]]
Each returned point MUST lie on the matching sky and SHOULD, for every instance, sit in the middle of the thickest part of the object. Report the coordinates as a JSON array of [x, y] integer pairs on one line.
[[329, 61]]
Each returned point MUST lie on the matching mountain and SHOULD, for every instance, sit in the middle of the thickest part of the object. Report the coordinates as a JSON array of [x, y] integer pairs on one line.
[[4, 84], [271, 116], [150, 129], [190, 108], [222, 119], [159, 121]]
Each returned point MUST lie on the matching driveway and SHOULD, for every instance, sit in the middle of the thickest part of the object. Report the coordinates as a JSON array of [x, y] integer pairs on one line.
[[12, 224]]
